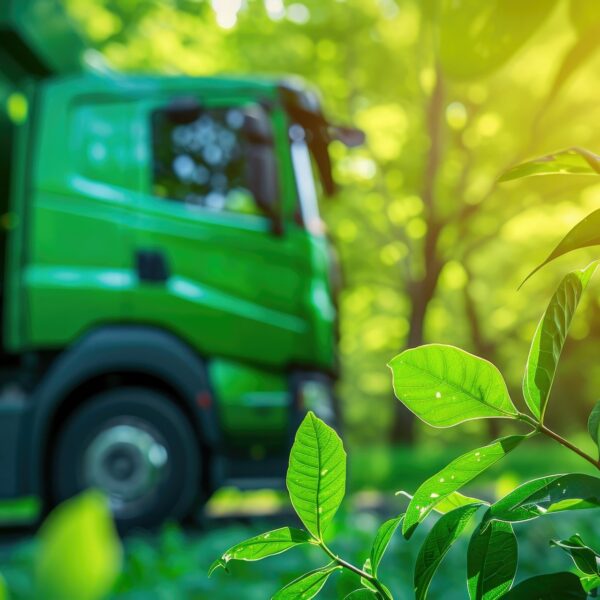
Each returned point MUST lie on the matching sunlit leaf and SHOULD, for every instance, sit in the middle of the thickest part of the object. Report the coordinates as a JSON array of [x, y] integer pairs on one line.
[[491, 561], [453, 477], [475, 37], [572, 161], [316, 476], [79, 556], [586, 233], [267, 544], [590, 582], [585, 558], [437, 543], [454, 500], [362, 594], [593, 424], [556, 586], [444, 385], [382, 540], [549, 339], [307, 586], [556, 493], [369, 585]]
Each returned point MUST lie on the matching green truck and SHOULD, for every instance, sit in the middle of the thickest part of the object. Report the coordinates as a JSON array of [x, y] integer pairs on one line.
[[168, 291]]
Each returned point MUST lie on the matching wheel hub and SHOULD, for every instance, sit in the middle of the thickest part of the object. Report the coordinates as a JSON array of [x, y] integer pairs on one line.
[[126, 460]]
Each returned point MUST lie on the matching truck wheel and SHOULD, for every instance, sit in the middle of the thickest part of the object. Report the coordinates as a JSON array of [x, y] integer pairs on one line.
[[136, 446]]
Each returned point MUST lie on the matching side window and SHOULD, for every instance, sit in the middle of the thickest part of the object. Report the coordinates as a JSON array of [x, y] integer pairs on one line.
[[203, 163], [100, 142]]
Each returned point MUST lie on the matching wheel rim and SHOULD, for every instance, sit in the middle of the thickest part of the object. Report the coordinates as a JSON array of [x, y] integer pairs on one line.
[[128, 461]]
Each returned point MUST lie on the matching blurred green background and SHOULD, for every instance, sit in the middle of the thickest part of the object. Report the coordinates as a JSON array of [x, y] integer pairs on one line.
[[433, 249]]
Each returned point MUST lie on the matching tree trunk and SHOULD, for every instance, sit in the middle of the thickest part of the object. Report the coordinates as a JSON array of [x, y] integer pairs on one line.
[[422, 291]]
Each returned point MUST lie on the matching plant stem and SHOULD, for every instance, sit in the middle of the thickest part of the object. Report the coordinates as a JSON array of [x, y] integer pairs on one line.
[[568, 445], [557, 438], [346, 565]]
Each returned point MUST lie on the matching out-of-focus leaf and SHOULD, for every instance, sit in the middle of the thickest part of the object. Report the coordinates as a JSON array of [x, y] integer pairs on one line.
[[594, 424], [79, 556], [583, 48], [452, 477], [475, 37], [572, 161], [556, 493], [3, 589], [556, 586], [444, 385], [586, 233], [307, 586], [491, 561], [584, 14], [437, 543], [261, 546], [382, 539], [316, 476], [585, 558], [549, 339]]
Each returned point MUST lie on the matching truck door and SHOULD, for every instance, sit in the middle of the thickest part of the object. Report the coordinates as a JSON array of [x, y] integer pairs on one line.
[[211, 266]]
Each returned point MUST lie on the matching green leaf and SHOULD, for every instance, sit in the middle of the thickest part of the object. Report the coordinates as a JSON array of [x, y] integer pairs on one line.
[[572, 161], [594, 424], [585, 558], [454, 500], [556, 586], [219, 563], [491, 561], [261, 546], [369, 586], [556, 493], [452, 477], [362, 594], [549, 339], [308, 585], [444, 385], [79, 555], [437, 543], [316, 476], [586, 233], [382, 540], [589, 582]]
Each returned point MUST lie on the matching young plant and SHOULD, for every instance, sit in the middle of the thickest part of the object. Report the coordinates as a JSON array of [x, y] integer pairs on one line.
[[316, 481], [446, 386]]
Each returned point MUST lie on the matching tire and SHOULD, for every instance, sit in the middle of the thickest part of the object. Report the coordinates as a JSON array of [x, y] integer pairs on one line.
[[138, 447]]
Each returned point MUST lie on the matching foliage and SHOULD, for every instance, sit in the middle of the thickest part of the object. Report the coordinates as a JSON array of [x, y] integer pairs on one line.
[[445, 386]]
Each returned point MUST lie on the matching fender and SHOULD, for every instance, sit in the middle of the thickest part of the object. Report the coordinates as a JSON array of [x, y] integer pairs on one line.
[[113, 349]]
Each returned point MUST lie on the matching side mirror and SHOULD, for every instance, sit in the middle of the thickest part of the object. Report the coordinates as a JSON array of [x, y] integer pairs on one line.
[[261, 164], [349, 136]]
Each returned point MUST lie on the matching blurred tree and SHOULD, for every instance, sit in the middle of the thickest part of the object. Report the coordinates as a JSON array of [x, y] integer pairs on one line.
[[450, 92]]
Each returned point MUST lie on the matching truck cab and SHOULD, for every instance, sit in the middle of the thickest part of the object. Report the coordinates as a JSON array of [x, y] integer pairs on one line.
[[168, 289]]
